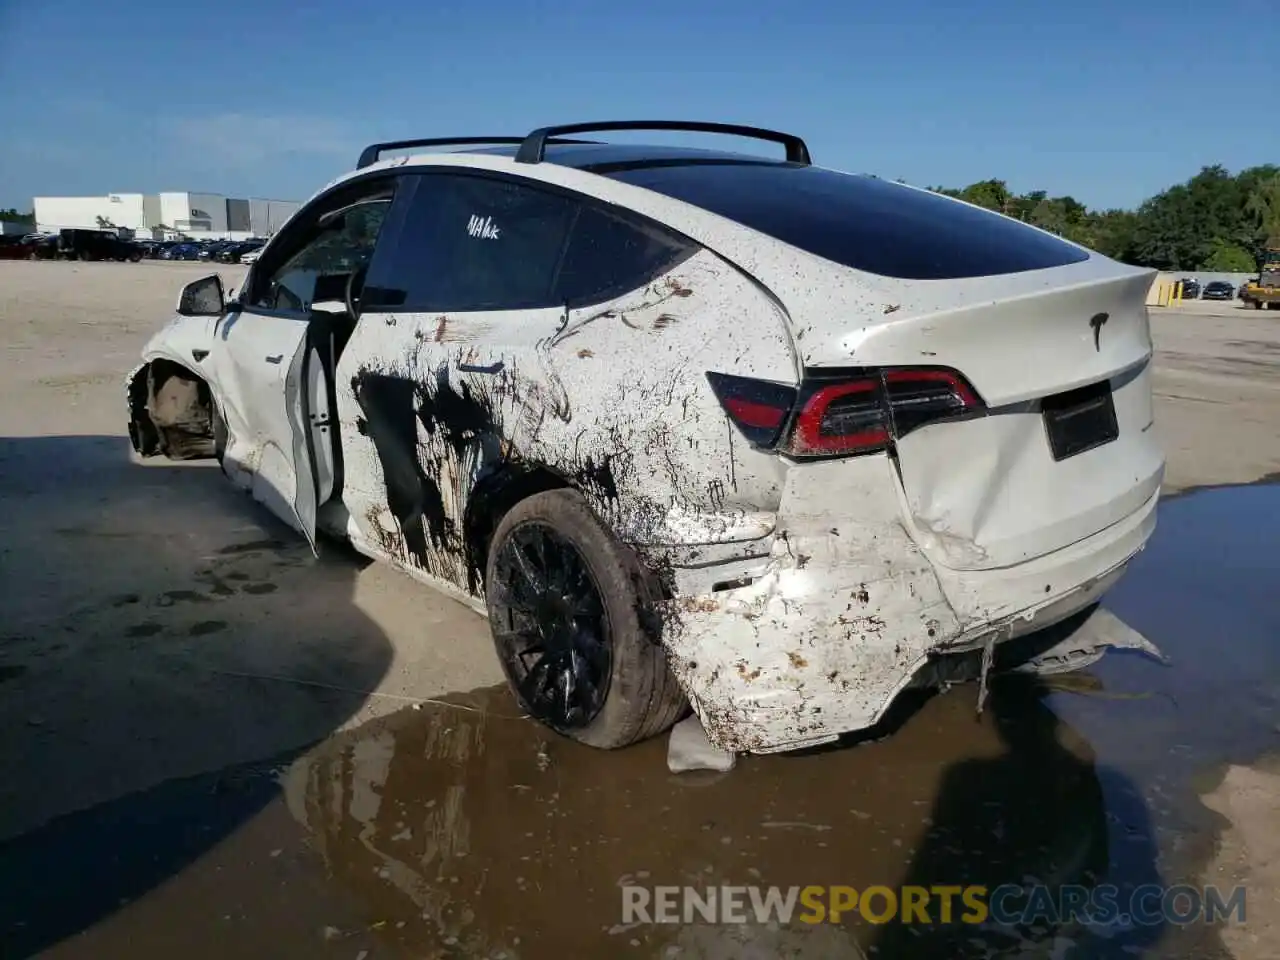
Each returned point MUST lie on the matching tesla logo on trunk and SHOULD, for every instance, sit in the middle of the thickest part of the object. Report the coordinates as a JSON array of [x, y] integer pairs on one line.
[[1096, 322]]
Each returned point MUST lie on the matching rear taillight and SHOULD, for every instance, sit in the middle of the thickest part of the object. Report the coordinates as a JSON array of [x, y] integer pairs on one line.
[[760, 408], [917, 397], [844, 415]]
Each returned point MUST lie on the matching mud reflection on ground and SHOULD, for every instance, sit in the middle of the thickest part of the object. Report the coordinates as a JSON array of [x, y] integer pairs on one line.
[[477, 831]]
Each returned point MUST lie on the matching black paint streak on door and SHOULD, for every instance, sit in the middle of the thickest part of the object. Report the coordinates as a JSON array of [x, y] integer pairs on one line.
[[390, 411]]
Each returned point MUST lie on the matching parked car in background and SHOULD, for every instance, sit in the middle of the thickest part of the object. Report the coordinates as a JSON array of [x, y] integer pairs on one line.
[[252, 256], [151, 249], [41, 246], [1190, 289], [181, 251], [233, 253], [12, 248], [1218, 290], [684, 423], [76, 244]]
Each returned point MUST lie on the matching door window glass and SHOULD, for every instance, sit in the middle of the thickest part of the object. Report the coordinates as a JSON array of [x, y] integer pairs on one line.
[[473, 243], [325, 254]]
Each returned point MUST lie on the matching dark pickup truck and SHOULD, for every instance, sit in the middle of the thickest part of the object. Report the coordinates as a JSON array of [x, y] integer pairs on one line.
[[96, 245]]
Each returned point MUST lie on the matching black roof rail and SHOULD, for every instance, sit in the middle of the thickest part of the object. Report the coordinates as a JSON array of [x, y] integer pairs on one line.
[[371, 154], [533, 149]]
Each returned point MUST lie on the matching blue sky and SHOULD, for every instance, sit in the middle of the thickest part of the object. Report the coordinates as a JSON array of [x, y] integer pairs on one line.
[[1107, 100]]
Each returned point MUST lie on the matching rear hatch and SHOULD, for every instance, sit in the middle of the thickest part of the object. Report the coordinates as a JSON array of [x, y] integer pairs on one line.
[[1061, 444], [1005, 370]]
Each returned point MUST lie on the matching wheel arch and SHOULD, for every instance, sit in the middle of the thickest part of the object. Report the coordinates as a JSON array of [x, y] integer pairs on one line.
[[494, 495], [174, 420]]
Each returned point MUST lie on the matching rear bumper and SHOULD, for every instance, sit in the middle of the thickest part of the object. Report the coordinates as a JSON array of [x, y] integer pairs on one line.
[[835, 627]]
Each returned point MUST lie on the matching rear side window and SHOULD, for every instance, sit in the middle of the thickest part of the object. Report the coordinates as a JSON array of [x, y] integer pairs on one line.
[[466, 243], [608, 256], [472, 243], [858, 221]]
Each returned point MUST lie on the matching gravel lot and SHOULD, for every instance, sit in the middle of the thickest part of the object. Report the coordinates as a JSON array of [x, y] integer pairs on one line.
[[169, 652]]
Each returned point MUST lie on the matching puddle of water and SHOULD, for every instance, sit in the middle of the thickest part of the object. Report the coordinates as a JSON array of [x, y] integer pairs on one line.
[[482, 831], [484, 834], [1205, 592]]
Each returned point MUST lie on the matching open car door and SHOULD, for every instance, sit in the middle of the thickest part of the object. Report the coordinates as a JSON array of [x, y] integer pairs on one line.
[[280, 378], [297, 310]]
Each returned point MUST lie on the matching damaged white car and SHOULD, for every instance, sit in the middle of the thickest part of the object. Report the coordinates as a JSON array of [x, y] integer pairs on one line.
[[693, 428]]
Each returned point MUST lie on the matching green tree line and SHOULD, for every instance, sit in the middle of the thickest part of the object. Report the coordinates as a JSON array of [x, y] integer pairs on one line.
[[13, 216], [1214, 222]]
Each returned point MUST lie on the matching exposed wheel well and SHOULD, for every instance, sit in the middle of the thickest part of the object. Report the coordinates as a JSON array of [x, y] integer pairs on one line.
[[493, 497], [171, 412]]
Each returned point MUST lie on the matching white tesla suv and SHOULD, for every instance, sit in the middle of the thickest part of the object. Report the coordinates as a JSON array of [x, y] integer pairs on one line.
[[692, 428]]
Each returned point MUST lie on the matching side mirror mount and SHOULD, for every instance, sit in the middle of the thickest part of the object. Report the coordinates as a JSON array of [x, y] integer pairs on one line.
[[203, 298]]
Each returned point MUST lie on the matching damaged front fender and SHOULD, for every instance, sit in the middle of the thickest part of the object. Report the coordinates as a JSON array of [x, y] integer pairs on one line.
[[169, 405]]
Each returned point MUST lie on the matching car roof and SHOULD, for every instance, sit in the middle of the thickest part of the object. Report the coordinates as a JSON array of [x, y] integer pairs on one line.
[[605, 158]]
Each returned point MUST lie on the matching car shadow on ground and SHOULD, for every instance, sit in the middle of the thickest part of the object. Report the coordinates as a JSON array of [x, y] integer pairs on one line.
[[1039, 826], [1203, 592], [167, 648]]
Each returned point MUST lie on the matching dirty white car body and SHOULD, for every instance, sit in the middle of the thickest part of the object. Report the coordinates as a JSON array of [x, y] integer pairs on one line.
[[833, 475]]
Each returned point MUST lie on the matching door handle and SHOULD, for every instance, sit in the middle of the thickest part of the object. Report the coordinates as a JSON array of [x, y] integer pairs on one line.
[[276, 359], [199, 354], [473, 368]]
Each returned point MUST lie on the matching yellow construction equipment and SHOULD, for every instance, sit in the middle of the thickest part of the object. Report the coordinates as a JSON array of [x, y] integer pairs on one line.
[[1265, 291]]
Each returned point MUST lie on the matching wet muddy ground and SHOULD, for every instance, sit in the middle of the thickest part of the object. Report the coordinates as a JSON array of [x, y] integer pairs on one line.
[[212, 747], [460, 829]]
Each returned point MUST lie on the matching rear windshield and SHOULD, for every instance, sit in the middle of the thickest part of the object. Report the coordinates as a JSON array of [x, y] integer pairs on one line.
[[858, 221]]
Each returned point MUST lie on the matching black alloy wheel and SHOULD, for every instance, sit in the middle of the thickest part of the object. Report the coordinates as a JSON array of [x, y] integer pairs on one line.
[[551, 627]]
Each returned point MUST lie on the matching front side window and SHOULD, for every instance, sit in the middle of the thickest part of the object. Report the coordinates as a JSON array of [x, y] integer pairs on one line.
[[315, 262]]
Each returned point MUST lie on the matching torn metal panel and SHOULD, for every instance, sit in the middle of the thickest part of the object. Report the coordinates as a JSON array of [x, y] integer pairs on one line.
[[836, 623], [170, 412], [1087, 643], [143, 435], [152, 395], [847, 611]]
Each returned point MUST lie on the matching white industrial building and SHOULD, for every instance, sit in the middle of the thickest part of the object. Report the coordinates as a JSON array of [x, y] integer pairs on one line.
[[164, 216]]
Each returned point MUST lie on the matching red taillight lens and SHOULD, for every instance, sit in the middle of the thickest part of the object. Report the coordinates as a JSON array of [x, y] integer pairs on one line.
[[844, 414], [760, 408], [841, 418]]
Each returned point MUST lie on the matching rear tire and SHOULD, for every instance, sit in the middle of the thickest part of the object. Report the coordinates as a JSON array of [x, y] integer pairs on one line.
[[573, 642]]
